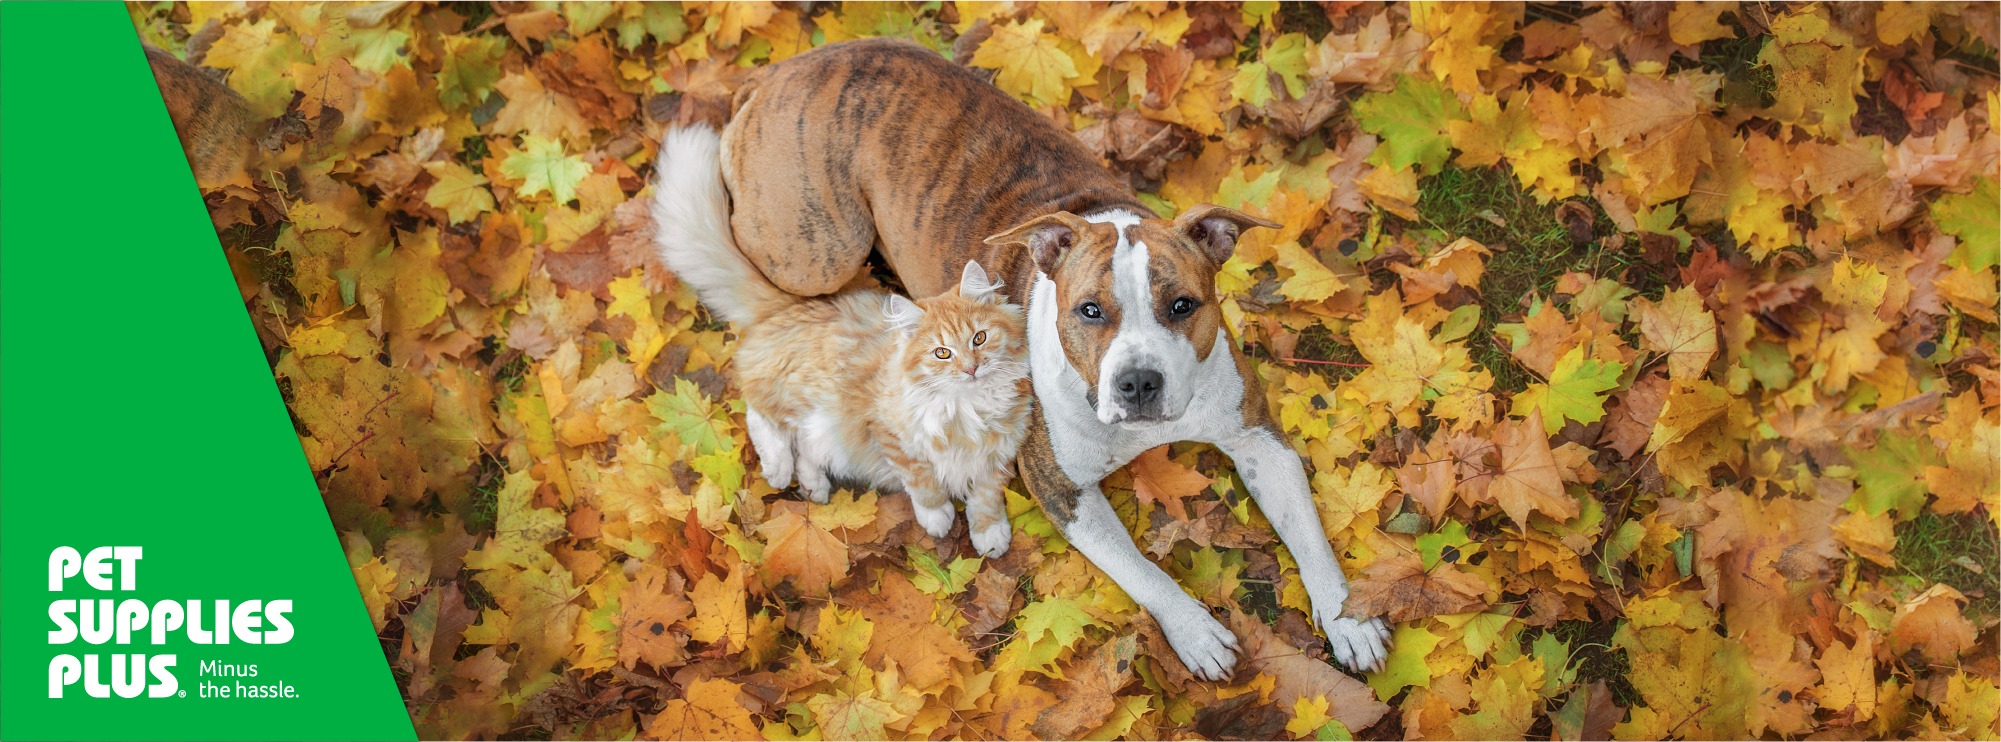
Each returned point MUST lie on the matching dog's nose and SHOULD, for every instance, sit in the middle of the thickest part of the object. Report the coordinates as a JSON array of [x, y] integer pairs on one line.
[[1138, 386]]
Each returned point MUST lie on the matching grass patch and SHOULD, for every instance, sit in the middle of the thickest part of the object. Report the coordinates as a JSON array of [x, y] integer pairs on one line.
[[1745, 81], [1938, 548], [1260, 599], [1592, 654], [1317, 343], [1533, 247]]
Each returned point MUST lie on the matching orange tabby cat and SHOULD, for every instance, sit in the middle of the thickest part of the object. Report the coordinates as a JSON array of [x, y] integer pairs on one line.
[[929, 397]]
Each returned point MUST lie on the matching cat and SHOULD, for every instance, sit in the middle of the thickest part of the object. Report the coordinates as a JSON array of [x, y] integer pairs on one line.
[[930, 397]]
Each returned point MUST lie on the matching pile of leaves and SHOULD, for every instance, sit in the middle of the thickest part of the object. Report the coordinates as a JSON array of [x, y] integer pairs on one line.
[[1644, 358]]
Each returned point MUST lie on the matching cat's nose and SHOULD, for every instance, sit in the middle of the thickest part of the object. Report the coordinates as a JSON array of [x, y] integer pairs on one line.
[[973, 371]]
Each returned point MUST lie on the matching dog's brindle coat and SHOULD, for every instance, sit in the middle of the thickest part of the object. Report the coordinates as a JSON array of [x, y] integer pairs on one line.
[[886, 144]]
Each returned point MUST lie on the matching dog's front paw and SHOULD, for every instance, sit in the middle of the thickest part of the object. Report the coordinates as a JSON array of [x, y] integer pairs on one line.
[[936, 521], [1205, 647], [1358, 645], [992, 541]]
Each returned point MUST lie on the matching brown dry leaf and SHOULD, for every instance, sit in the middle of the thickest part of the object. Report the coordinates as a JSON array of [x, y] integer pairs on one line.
[[1527, 479], [1398, 588], [1087, 691], [1157, 479], [1931, 623], [1296, 675], [803, 554], [1631, 423], [649, 608]]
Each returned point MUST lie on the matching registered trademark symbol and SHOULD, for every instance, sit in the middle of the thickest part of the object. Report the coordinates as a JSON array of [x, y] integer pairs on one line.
[[184, 694]]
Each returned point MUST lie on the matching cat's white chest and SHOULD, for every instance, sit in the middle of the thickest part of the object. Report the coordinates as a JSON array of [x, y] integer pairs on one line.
[[966, 437]]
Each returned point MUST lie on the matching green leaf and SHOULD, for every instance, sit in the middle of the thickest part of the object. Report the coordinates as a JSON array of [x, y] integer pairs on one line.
[[1575, 391], [1211, 572], [1618, 546], [544, 168], [662, 21], [1975, 218], [938, 580], [1236, 193], [1489, 630], [724, 467], [1405, 666], [1450, 540], [1457, 325], [1891, 475], [688, 414], [459, 192], [378, 49], [1684, 554], [1252, 84], [1059, 619], [1287, 58], [1555, 656], [1333, 731], [1411, 122], [471, 67]]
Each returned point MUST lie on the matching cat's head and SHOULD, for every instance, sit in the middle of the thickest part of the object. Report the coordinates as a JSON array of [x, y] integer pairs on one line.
[[968, 338]]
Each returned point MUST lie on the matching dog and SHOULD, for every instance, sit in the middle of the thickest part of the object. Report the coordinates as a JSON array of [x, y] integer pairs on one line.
[[885, 145]]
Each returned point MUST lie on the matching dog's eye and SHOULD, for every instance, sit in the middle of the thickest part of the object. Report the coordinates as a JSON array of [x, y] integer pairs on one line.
[[1090, 310], [980, 338], [942, 353], [1182, 306]]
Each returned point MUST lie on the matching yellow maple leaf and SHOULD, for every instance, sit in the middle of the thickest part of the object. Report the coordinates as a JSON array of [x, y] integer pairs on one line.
[[707, 709], [1032, 64], [719, 610]]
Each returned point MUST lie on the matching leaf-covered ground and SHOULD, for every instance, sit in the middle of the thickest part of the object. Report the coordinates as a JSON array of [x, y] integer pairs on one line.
[[1644, 357]]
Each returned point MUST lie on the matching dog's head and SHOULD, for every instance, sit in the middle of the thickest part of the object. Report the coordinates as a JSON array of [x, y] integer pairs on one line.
[[1135, 301]]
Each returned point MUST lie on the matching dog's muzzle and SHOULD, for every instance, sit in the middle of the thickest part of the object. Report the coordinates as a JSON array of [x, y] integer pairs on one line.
[[1137, 392]]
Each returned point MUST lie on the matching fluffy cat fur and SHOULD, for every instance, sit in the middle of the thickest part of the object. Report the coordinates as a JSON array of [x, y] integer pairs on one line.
[[929, 397]]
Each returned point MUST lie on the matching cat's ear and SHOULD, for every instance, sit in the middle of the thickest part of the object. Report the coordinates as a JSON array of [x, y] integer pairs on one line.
[[902, 313], [974, 284], [1047, 237], [1214, 229]]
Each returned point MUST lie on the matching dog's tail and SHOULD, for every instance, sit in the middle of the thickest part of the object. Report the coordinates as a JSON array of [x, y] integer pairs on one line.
[[691, 213], [218, 130]]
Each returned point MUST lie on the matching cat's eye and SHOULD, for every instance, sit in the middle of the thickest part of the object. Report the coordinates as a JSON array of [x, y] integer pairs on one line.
[[980, 338], [1090, 310], [942, 353], [1181, 306]]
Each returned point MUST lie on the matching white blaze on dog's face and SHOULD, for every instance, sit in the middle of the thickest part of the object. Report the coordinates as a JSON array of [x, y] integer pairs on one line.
[[1135, 301]]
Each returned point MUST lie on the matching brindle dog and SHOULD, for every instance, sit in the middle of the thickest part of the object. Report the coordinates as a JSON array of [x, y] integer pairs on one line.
[[884, 145]]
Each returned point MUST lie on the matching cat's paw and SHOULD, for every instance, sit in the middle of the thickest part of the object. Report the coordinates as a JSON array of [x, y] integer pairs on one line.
[[1358, 645], [1205, 647], [992, 541], [817, 488], [936, 521], [777, 470]]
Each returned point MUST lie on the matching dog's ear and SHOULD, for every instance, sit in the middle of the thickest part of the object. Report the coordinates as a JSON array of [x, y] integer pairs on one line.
[[974, 284], [1214, 229], [1047, 237]]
